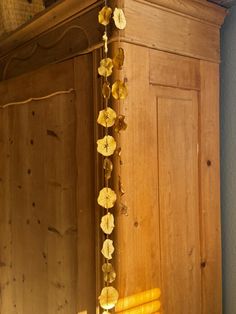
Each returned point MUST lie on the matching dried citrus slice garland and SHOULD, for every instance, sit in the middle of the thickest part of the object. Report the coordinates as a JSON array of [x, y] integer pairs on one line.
[[104, 15], [107, 223], [107, 117], [107, 198], [109, 273], [106, 66], [108, 298], [119, 18], [118, 60], [119, 90], [107, 147]]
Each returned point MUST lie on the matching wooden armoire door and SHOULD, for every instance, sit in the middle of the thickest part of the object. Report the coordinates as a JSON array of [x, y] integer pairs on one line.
[[171, 175], [47, 254], [168, 233]]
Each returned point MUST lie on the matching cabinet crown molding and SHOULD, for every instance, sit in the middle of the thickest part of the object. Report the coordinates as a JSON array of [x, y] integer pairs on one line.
[[70, 28], [200, 9], [68, 9]]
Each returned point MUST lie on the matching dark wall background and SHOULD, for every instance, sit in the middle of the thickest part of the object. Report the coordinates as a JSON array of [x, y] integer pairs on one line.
[[228, 160]]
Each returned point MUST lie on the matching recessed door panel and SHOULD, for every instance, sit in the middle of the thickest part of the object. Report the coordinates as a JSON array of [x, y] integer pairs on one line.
[[177, 116]]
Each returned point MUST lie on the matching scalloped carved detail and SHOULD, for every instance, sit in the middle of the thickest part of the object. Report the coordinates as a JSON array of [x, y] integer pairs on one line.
[[74, 37]]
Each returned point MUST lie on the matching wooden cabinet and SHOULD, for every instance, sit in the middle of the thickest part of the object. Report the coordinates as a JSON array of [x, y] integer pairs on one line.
[[50, 173], [172, 182]]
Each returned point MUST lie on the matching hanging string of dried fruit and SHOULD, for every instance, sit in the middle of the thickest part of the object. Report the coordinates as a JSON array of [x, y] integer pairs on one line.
[[107, 147]]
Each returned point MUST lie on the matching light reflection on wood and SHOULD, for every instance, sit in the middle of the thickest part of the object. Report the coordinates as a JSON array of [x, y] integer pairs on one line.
[[148, 308], [145, 302]]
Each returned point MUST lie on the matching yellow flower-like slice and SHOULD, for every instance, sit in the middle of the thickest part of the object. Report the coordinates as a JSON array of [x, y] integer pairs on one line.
[[107, 223], [120, 124], [119, 18], [106, 90], [104, 15], [106, 66], [108, 298], [107, 267], [109, 273], [119, 90], [106, 312], [108, 249], [108, 167], [118, 59], [107, 117], [107, 198], [106, 146]]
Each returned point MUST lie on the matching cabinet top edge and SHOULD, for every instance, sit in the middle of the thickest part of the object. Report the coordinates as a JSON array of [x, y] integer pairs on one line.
[[66, 10], [200, 9]]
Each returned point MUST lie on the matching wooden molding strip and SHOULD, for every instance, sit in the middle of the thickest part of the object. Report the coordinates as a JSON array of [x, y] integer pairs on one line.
[[69, 9], [171, 31], [70, 19], [200, 9]]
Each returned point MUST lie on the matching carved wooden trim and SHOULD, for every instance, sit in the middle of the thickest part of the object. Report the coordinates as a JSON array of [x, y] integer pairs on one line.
[[45, 21], [74, 37], [69, 9], [37, 45], [69, 29]]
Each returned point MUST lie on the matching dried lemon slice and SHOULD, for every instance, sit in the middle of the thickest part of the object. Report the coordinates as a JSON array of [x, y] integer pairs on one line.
[[118, 59], [106, 146], [109, 273], [106, 66], [119, 90], [108, 249], [119, 18], [107, 198], [104, 15], [107, 267], [108, 298], [107, 117], [107, 223]]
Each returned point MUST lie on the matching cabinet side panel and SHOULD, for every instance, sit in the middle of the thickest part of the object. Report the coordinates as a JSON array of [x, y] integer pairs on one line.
[[39, 181], [47, 189], [137, 234], [210, 189]]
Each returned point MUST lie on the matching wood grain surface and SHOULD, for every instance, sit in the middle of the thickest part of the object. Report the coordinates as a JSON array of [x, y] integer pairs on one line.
[[47, 188], [169, 238], [170, 193]]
